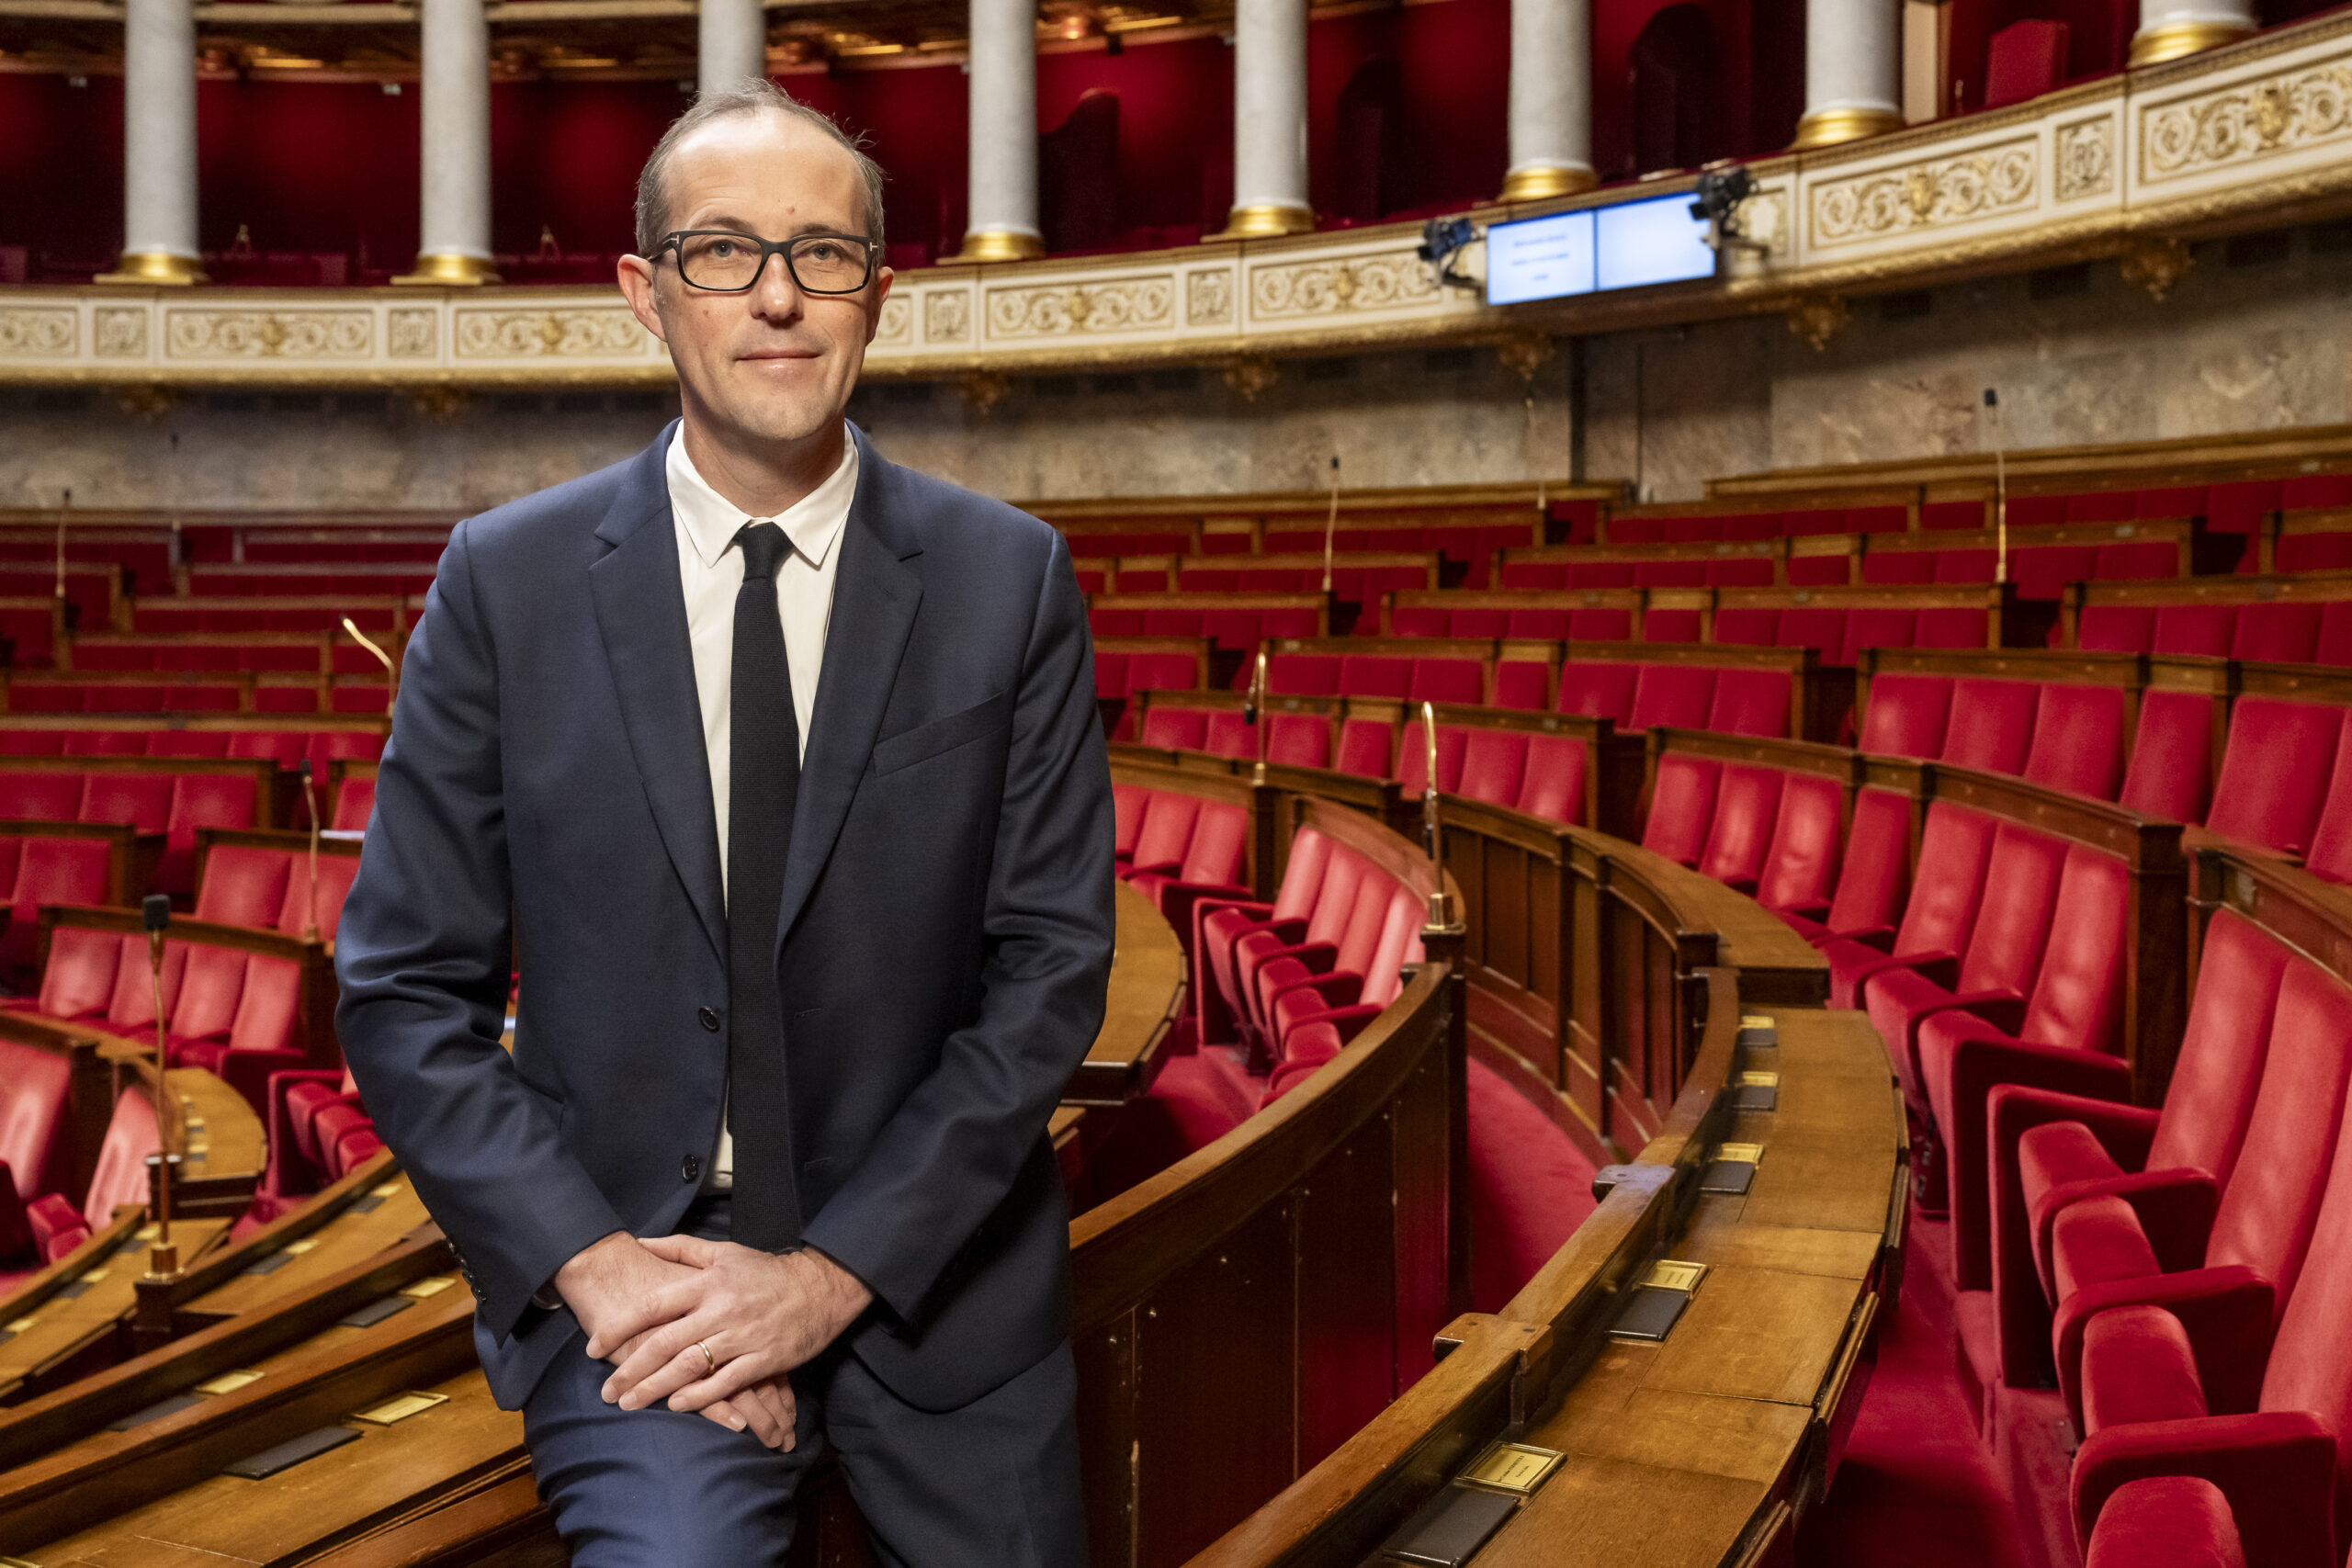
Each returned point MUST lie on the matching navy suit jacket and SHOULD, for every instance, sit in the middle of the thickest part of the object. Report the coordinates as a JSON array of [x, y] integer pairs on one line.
[[945, 929]]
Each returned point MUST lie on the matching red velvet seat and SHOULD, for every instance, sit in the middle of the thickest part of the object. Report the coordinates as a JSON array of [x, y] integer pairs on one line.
[[2078, 740], [118, 1179], [1879, 627], [2275, 773], [1363, 974], [1217, 929], [1127, 802], [1298, 740], [2334, 635], [2207, 630], [1938, 916], [1413, 759], [1676, 695], [2116, 628], [2048, 1147], [2166, 1521], [50, 870], [1109, 670], [1747, 806], [305, 905], [1817, 627], [1309, 1046], [1553, 786], [1992, 723], [34, 1154], [1304, 674], [1227, 734], [2043, 571], [1213, 858], [1366, 748], [2171, 773], [1751, 702], [242, 887], [1873, 874], [1597, 623], [1447, 680], [1177, 729], [1375, 675], [1907, 715], [1597, 690], [40, 797], [1682, 807], [1801, 869], [144, 800], [2282, 634], [1744, 626], [1167, 832], [2237, 1263], [2024, 60], [1522, 683], [1494, 765]]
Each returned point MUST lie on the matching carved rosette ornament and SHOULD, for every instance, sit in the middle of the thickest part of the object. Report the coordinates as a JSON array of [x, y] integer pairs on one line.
[[1251, 374], [2085, 159], [1818, 318], [983, 388], [2156, 263]]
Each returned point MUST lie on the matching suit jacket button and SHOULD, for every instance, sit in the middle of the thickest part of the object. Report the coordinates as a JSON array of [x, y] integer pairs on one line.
[[710, 1016], [690, 1169]]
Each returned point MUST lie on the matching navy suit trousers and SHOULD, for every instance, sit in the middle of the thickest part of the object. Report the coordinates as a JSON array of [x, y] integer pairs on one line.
[[994, 1484]]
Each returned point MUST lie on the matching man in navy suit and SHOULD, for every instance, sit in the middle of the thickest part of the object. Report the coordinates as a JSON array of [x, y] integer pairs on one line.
[[775, 767]]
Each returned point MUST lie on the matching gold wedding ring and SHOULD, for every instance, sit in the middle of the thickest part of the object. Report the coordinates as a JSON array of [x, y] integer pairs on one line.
[[709, 1362]]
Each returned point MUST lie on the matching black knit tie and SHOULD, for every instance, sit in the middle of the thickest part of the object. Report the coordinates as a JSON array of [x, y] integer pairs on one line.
[[764, 784]]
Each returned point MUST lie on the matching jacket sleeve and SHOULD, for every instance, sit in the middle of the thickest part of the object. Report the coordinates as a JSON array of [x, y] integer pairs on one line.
[[423, 958], [945, 1161]]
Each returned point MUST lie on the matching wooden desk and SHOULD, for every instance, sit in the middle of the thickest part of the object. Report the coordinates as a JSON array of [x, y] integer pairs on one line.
[[79, 1317], [1147, 988]]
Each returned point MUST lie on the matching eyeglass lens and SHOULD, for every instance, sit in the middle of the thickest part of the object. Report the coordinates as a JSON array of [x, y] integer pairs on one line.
[[821, 263]]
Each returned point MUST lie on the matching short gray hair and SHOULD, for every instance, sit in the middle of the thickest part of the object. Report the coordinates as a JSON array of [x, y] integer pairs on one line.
[[752, 94]]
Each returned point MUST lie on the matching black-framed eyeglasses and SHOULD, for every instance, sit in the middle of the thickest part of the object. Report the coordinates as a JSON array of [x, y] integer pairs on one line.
[[721, 261]]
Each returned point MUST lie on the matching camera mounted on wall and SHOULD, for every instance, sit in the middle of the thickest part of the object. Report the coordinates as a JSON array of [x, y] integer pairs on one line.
[[1445, 241]]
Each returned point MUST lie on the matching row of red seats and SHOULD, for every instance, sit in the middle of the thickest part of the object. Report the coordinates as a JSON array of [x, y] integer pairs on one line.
[[1731, 699], [175, 804], [288, 748], [374, 613], [48, 1225], [2060, 734], [1238, 627], [2041, 571], [319, 1134], [2237, 507], [1838, 633], [1120, 674], [163, 651], [2292, 632], [1351, 583], [356, 694], [303, 581]]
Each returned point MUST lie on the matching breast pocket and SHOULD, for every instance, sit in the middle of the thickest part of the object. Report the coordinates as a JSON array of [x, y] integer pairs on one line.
[[924, 741]]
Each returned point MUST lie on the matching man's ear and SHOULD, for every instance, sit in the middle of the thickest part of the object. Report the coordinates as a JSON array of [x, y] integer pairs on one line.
[[636, 277], [883, 279]]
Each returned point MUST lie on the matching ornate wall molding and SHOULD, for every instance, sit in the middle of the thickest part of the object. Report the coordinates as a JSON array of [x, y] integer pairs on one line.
[[2111, 168]]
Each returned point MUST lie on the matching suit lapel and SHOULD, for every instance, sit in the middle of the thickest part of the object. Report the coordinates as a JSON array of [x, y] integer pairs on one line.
[[641, 614], [875, 599]]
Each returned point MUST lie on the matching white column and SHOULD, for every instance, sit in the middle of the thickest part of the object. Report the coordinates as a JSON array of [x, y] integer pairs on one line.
[[159, 243], [2170, 28], [454, 238], [1551, 99], [1853, 70], [731, 43], [1000, 221], [1269, 119]]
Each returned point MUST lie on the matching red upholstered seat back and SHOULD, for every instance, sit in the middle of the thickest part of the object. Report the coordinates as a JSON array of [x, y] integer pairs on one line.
[[2194, 628], [79, 977], [1816, 626], [1220, 839], [2330, 850], [1335, 899], [60, 870], [1183, 728], [1598, 691], [1801, 866], [1366, 748], [2309, 1367], [1676, 694], [144, 800], [2278, 634], [1751, 702], [40, 797], [1447, 680], [1747, 804], [120, 1176], [1941, 912], [266, 1006], [1310, 856], [2275, 772], [1753, 627], [2077, 999], [1992, 723], [33, 1088], [1907, 715], [210, 989], [130, 1007], [1399, 944], [296, 914], [1881, 626], [2272, 1198], [1413, 759], [1298, 740], [2078, 740], [1304, 674], [1520, 683], [1127, 802], [1228, 735], [2171, 757], [1876, 870], [1167, 828], [2204, 1121], [2335, 634], [1494, 761], [243, 885], [2116, 628], [1375, 675], [2024, 60], [211, 800], [1553, 786], [1682, 807], [2014, 913]]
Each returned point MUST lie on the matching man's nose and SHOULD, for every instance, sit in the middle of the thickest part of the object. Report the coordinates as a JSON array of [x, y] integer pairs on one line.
[[775, 297]]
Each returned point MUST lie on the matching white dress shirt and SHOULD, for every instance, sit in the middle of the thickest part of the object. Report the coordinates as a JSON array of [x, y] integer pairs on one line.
[[711, 571]]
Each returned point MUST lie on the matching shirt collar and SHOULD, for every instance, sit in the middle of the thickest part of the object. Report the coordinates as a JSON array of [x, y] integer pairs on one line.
[[711, 520]]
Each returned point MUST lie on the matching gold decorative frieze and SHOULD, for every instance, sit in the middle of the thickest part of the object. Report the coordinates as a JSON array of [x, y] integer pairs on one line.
[[1330, 287], [1059, 309], [197, 332], [2292, 111], [609, 333], [1930, 194], [2083, 158], [38, 333]]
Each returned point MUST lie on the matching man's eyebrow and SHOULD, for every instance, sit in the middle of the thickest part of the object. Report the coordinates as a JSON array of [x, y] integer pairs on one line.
[[736, 225]]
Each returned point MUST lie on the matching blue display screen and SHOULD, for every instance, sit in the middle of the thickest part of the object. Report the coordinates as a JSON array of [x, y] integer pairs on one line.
[[1629, 245]]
